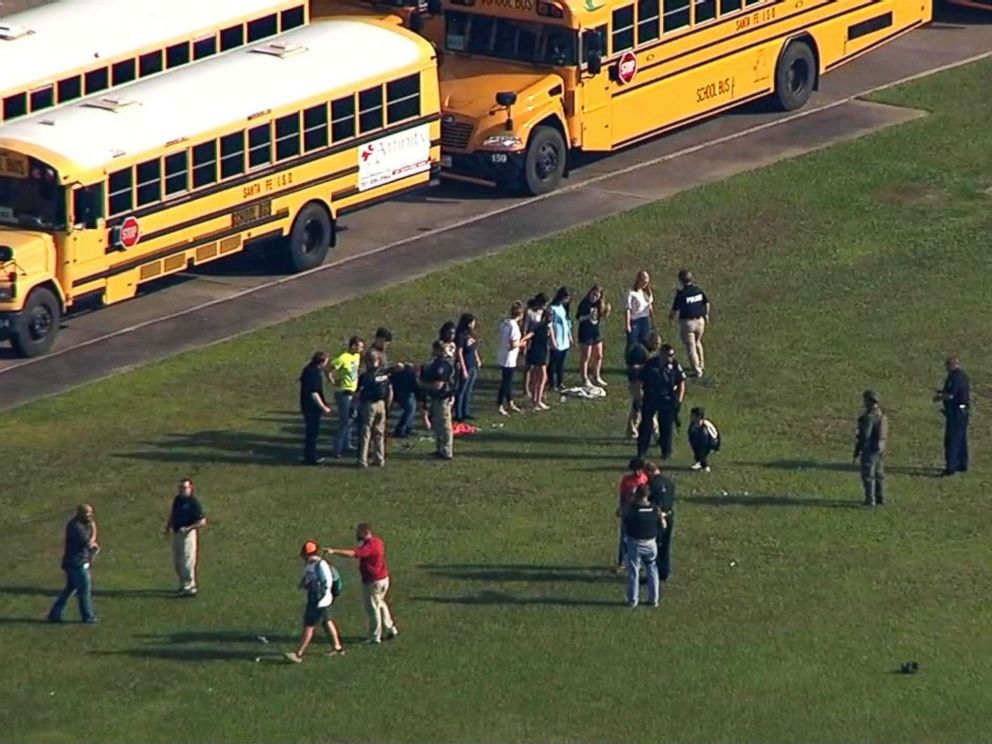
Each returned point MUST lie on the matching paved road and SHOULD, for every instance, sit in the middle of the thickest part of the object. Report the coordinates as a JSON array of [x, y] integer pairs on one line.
[[456, 223]]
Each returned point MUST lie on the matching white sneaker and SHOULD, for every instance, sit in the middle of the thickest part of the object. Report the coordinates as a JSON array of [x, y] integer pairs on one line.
[[706, 469], [515, 408], [696, 466], [291, 656], [601, 382], [502, 411], [543, 406]]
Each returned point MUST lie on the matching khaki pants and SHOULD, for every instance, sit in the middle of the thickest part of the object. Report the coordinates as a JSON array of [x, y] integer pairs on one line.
[[184, 558], [634, 417], [372, 427], [441, 426], [692, 336], [380, 618]]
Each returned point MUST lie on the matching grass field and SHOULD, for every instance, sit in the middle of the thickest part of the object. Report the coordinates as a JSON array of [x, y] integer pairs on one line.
[[854, 267]]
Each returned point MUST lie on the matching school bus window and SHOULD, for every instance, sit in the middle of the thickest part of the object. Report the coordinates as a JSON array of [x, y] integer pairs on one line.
[[705, 10], [752, 2], [315, 128], [149, 182], [623, 28], [204, 47], [259, 146], [176, 55], [97, 80], [559, 47], [232, 155], [648, 20], [481, 34], [42, 98], [403, 98], [729, 6], [287, 136], [70, 89], [205, 164], [456, 31], [370, 109], [262, 27], [343, 118], [123, 72], [87, 206], [16, 105], [149, 64], [35, 200], [293, 18], [676, 14], [121, 195], [231, 38], [176, 173]]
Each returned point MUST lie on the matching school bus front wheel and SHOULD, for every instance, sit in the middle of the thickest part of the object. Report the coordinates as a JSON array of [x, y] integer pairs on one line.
[[310, 239], [544, 164], [33, 330]]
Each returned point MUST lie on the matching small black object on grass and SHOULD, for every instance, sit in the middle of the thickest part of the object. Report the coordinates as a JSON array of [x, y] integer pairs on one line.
[[909, 667]]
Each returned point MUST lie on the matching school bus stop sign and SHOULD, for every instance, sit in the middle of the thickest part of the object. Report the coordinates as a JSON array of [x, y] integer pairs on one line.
[[627, 67], [130, 232]]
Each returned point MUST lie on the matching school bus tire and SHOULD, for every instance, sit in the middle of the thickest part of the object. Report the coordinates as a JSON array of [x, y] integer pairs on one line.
[[310, 239], [544, 163], [795, 76], [38, 324]]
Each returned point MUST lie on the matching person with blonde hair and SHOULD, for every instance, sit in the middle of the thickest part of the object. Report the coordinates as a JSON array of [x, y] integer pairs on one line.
[[639, 310]]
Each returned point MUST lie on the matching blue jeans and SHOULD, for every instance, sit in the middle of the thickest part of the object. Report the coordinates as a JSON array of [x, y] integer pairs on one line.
[[408, 406], [640, 329], [464, 395], [77, 581], [638, 552], [346, 422]]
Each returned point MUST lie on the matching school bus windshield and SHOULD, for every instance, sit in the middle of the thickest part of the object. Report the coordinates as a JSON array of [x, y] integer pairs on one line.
[[33, 201], [506, 38]]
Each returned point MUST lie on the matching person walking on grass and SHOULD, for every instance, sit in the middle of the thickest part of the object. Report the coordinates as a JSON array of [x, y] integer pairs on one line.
[[508, 346], [639, 310], [344, 373], [692, 307], [661, 493], [636, 357], [373, 398], [704, 438], [318, 581], [537, 361], [533, 315], [313, 405], [468, 363], [371, 555], [664, 388], [642, 523], [185, 521], [561, 338], [626, 495], [593, 309], [80, 548], [869, 447]]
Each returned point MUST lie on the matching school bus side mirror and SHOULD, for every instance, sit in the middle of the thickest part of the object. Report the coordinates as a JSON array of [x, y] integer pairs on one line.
[[416, 22], [595, 63], [506, 98], [434, 7], [6, 254], [592, 43]]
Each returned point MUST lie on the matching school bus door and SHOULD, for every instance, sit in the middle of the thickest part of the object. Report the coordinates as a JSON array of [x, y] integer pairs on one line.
[[86, 245], [594, 104]]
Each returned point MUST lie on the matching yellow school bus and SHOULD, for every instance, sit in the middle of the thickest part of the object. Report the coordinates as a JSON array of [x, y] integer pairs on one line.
[[526, 82], [70, 48], [276, 140]]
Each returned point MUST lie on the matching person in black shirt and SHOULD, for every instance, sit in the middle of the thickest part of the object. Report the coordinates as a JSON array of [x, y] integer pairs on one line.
[[661, 493], [664, 387], [642, 523], [692, 307], [637, 357], [956, 397], [374, 396], [405, 394], [184, 522], [438, 378], [536, 358], [313, 405], [592, 310], [80, 548]]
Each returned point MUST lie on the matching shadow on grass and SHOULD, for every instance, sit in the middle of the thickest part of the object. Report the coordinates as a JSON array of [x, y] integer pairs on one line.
[[185, 654], [739, 499], [25, 621], [522, 572], [843, 467], [37, 591], [487, 598]]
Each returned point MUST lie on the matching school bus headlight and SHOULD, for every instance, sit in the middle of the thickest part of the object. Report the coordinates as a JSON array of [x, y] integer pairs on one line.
[[503, 141], [8, 290]]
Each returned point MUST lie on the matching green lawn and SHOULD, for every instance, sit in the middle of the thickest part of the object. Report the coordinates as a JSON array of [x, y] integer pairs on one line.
[[854, 267]]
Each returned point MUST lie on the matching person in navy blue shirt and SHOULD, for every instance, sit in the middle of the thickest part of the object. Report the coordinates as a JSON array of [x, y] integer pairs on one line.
[[956, 398], [467, 364], [80, 548]]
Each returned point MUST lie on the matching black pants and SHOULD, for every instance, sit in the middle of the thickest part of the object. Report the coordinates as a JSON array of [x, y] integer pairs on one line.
[[664, 412], [311, 422], [700, 452], [505, 394], [556, 369], [665, 548], [956, 441]]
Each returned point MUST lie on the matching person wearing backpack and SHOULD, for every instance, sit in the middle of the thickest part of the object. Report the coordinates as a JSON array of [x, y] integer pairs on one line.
[[703, 438], [319, 581]]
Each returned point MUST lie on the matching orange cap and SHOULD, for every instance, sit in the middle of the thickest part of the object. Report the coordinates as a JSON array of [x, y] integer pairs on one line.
[[309, 548]]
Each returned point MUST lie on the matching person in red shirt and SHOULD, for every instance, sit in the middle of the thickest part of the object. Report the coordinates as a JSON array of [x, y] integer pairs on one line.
[[371, 555], [627, 493]]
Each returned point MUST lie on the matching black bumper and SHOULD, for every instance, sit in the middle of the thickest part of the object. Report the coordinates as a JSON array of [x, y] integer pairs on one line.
[[504, 169], [8, 322]]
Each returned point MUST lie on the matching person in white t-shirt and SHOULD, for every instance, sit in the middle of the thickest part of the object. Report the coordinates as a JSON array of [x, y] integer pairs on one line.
[[639, 306], [511, 340], [317, 581]]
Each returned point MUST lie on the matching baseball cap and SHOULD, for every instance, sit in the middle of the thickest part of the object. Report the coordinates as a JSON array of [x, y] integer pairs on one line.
[[309, 548]]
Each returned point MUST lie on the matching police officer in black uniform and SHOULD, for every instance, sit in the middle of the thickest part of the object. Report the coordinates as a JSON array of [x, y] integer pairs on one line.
[[661, 493], [663, 382], [438, 380], [956, 397], [313, 405]]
